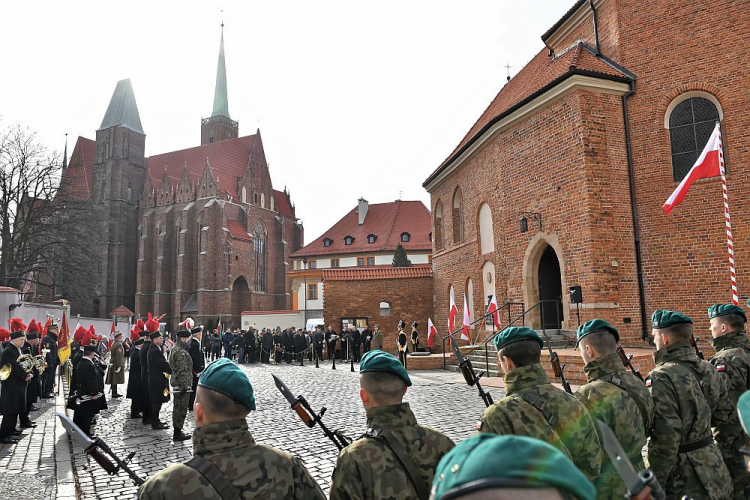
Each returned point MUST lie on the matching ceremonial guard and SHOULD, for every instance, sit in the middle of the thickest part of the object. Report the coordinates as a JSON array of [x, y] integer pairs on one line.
[[686, 391], [225, 451], [116, 368], [615, 397], [13, 386], [143, 354], [377, 339], [49, 350], [81, 337], [136, 387], [732, 361], [403, 347], [181, 364], [199, 362], [33, 388], [158, 378], [396, 458], [414, 337], [89, 398], [534, 407]]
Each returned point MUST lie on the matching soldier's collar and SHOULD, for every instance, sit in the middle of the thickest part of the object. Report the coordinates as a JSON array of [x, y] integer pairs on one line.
[[673, 351], [525, 376], [388, 417], [221, 436], [734, 337], [602, 366]]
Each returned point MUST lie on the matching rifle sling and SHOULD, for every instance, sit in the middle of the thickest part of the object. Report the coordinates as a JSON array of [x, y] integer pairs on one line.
[[617, 381], [215, 477], [423, 492], [540, 405]]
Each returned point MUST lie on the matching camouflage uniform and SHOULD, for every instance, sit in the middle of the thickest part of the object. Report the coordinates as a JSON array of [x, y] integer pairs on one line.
[[255, 470], [182, 382], [623, 402], [686, 390], [368, 469], [732, 361], [571, 431]]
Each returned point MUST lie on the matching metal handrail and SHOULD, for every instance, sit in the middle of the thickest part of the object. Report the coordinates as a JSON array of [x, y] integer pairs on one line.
[[507, 304]]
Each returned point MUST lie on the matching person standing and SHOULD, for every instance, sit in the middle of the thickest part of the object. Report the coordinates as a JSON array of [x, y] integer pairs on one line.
[[689, 398], [199, 362], [116, 369], [278, 347], [215, 346], [366, 339], [377, 339], [240, 341], [13, 388], [158, 379], [135, 383], [331, 343], [267, 346], [33, 388], [616, 397], [401, 343], [90, 391], [228, 343], [287, 341], [181, 365], [146, 395], [49, 350], [356, 343], [414, 337], [318, 340]]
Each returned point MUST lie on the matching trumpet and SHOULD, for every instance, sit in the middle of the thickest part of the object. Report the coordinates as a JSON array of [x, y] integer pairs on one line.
[[87, 397]]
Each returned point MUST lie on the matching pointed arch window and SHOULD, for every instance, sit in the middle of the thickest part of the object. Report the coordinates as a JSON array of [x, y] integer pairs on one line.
[[690, 118], [244, 194], [259, 245], [178, 239], [486, 231], [262, 200], [439, 225], [458, 216], [201, 236]]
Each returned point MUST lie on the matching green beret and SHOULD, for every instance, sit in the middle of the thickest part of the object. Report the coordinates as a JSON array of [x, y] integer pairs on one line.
[[514, 334], [380, 361], [227, 378], [717, 310], [661, 318], [155, 335], [596, 325], [490, 461], [743, 408]]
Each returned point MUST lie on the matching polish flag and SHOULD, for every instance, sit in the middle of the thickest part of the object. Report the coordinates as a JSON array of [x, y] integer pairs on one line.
[[707, 165], [431, 334], [494, 310], [452, 314], [467, 321]]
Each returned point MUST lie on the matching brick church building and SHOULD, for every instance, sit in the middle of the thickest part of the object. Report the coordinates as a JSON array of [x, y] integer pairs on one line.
[[199, 232], [561, 180]]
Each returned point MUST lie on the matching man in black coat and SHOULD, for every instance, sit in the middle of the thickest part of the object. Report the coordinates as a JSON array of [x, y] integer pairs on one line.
[[356, 339], [135, 385], [158, 381], [331, 344], [13, 391], [250, 346], [268, 347], [49, 349], [33, 388], [318, 339], [288, 341], [76, 355], [366, 339], [145, 401], [89, 384], [300, 345], [199, 362]]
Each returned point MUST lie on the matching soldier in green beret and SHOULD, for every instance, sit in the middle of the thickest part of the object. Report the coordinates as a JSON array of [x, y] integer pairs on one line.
[[732, 361], [508, 467], [614, 396], [534, 407], [396, 457], [689, 398], [182, 383]]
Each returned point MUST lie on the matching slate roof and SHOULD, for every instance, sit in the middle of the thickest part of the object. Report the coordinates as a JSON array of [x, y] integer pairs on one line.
[[377, 273], [123, 110], [386, 221]]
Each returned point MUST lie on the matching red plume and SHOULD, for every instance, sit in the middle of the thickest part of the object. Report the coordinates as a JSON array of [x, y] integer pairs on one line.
[[4, 335], [33, 327], [16, 325], [79, 334], [152, 325], [46, 325]]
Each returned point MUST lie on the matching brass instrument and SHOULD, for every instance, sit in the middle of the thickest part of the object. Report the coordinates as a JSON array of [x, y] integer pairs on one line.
[[87, 397], [5, 372], [166, 392], [40, 362], [26, 362], [167, 375]]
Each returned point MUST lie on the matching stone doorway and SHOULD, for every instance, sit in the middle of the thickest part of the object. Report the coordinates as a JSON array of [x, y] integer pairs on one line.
[[544, 279], [550, 288], [240, 300]]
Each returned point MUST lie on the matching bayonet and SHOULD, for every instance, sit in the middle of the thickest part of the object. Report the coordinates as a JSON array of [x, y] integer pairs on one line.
[[472, 379]]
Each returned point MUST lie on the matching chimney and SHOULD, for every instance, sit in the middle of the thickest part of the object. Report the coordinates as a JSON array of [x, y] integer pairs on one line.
[[362, 210]]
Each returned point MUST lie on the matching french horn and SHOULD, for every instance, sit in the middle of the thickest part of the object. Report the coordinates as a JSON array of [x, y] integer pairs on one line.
[[26, 362], [5, 372], [40, 362]]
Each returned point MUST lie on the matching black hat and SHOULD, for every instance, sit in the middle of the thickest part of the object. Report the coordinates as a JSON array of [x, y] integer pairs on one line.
[[401, 324], [196, 329], [32, 336], [89, 348], [138, 342], [183, 334], [415, 324], [17, 334], [155, 335]]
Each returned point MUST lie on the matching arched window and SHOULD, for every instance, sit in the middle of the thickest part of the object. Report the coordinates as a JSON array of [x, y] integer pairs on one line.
[[405, 237], [130, 191], [470, 298], [103, 191], [486, 231], [259, 245], [458, 216], [439, 225], [488, 282], [262, 200], [690, 118], [273, 204], [244, 194], [201, 237], [327, 242], [452, 300]]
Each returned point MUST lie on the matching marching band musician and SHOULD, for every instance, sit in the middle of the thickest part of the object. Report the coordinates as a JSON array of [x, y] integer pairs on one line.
[[145, 393], [31, 348], [116, 369], [49, 349], [90, 390], [403, 348], [13, 393], [158, 376], [414, 337]]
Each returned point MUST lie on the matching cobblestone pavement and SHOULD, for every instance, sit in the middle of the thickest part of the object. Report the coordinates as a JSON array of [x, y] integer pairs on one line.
[[439, 399]]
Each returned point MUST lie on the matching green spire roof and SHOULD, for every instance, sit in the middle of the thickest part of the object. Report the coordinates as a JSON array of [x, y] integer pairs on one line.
[[122, 110], [221, 98]]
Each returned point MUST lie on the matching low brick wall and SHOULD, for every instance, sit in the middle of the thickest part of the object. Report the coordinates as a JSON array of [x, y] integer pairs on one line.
[[643, 361]]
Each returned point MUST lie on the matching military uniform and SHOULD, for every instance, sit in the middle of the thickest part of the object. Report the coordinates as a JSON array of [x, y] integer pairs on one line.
[[89, 383], [182, 384], [49, 349], [145, 395], [368, 469], [414, 340], [116, 369], [12, 391], [377, 340]]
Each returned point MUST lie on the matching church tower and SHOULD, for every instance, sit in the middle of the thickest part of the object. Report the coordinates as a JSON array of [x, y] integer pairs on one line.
[[119, 175], [220, 127]]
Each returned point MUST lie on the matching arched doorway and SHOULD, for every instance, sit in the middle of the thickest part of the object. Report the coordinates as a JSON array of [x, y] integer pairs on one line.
[[550, 289], [240, 300]]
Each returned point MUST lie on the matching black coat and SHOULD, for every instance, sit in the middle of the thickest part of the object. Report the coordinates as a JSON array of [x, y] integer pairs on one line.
[[13, 392], [33, 389], [157, 382], [267, 341], [135, 385], [356, 338], [49, 342], [143, 353], [289, 341], [199, 362], [89, 382], [74, 362]]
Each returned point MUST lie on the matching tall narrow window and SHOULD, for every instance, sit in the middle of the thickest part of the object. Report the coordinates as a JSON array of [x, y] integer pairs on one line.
[[690, 125], [259, 245], [178, 238], [470, 298], [486, 231], [439, 225], [201, 237], [262, 200], [458, 216], [244, 194]]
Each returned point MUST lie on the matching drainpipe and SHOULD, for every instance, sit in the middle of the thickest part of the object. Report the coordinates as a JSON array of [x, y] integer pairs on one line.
[[596, 26]]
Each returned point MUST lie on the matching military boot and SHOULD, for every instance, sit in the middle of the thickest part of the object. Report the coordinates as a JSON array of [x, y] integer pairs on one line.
[[180, 436]]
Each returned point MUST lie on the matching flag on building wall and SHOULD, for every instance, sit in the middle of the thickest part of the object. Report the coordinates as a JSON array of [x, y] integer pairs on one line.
[[431, 333]]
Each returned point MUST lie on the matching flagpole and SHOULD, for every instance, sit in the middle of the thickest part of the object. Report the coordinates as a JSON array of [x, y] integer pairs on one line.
[[728, 220]]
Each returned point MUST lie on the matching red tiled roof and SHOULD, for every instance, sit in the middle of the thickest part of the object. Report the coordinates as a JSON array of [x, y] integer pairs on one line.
[[122, 311], [386, 221], [78, 181], [282, 203], [256, 313], [237, 230], [537, 76], [228, 160], [377, 273]]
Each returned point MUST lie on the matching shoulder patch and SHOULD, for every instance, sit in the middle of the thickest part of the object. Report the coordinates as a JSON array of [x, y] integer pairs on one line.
[[649, 383], [479, 425], [721, 368]]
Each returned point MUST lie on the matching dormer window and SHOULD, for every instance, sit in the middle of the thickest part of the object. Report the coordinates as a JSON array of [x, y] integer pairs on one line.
[[371, 238], [405, 237], [327, 242], [348, 240]]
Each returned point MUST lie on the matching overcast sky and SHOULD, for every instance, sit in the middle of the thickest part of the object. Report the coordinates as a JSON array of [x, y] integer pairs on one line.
[[353, 98]]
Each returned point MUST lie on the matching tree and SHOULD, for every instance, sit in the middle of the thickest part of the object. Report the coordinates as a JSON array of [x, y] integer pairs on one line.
[[399, 257], [45, 238]]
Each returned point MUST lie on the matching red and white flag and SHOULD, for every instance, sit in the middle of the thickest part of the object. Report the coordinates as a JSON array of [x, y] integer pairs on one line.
[[452, 314], [494, 310], [467, 322], [431, 333], [707, 165]]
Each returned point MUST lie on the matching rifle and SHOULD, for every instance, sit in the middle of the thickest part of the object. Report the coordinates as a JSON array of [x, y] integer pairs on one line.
[[694, 342], [309, 417], [557, 367], [95, 447], [467, 370], [627, 361]]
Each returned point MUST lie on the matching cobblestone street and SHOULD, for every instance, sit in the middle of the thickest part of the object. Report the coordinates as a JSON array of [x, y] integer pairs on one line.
[[439, 399]]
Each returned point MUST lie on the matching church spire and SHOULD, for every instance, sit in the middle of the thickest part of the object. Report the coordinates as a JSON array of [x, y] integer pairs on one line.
[[65, 154], [221, 98]]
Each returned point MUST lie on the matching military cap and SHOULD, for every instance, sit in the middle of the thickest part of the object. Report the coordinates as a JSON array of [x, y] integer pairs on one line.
[[380, 361], [196, 329], [717, 310], [17, 334], [490, 461], [32, 336], [515, 334], [743, 408], [596, 325], [183, 333], [138, 342], [89, 348], [661, 318], [227, 378], [155, 335], [53, 326]]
